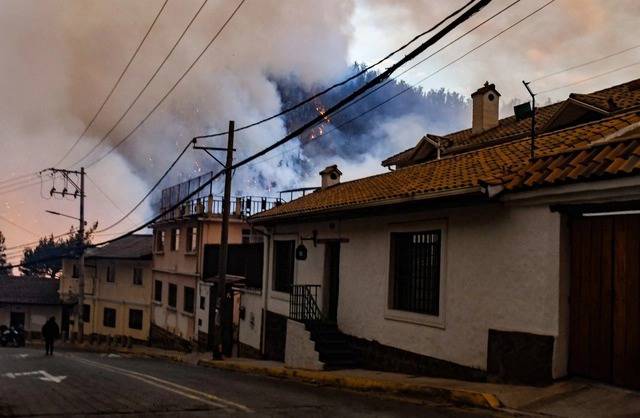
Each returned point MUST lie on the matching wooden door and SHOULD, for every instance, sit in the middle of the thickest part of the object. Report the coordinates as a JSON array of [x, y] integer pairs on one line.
[[604, 299], [332, 279]]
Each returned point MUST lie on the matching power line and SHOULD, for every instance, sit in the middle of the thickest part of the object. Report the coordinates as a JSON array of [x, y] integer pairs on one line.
[[153, 188], [9, 221], [593, 61], [424, 78], [213, 39], [115, 86], [343, 82], [584, 80], [16, 178], [352, 96], [135, 100]]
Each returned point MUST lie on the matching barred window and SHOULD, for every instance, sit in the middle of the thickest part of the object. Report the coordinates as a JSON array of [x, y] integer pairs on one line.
[[189, 299], [173, 295], [415, 272], [157, 292], [137, 276], [135, 318], [109, 318]]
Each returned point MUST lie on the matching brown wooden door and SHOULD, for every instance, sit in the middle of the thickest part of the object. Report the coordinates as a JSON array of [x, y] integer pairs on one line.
[[605, 296]]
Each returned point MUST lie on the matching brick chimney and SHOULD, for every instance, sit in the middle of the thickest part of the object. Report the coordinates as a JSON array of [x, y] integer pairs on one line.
[[486, 103], [330, 176]]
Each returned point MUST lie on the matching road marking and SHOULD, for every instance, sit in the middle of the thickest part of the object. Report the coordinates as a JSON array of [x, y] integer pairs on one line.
[[185, 391], [46, 377]]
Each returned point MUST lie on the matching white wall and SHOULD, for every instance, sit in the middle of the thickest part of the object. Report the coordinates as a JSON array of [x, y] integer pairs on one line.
[[251, 325], [501, 270]]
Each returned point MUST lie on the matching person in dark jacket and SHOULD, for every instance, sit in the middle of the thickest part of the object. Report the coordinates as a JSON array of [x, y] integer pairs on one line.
[[50, 332]]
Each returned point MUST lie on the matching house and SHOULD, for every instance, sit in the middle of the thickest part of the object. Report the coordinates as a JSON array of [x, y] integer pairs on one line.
[[118, 285], [469, 259], [30, 302], [185, 259]]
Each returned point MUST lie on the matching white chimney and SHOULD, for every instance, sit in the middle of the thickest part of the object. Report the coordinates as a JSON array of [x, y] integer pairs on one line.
[[486, 103], [330, 176]]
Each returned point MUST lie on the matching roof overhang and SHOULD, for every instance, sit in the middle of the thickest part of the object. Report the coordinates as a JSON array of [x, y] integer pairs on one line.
[[467, 196]]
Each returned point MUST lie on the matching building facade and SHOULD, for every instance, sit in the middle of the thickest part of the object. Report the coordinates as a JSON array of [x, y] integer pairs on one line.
[[118, 288], [469, 259]]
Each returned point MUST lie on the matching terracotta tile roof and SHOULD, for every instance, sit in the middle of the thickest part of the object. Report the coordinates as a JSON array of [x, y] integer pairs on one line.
[[597, 161], [29, 290], [131, 247], [612, 99], [451, 173]]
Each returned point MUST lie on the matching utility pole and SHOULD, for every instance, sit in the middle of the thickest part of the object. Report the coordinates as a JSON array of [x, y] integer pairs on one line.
[[533, 118], [79, 192], [217, 299]]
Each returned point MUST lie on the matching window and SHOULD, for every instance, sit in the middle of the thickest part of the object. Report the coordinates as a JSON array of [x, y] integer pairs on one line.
[[75, 273], [173, 295], [157, 291], [109, 318], [415, 272], [246, 236], [111, 274], [86, 313], [192, 239], [137, 276], [283, 254], [175, 239], [135, 319], [203, 301], [189, 299], [160, 241]]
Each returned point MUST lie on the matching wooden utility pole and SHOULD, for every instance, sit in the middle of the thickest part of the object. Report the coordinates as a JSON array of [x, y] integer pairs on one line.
[[218, 299], [81, 272], [79, 192]]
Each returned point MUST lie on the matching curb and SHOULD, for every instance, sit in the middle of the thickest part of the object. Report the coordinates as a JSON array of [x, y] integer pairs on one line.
[[460, 396], [119, 350]]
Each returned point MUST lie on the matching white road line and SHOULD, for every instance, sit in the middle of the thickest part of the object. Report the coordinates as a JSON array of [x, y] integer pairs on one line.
[[168, 386]]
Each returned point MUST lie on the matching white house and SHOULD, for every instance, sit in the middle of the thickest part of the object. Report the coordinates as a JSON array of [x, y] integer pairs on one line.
[[469, 260]]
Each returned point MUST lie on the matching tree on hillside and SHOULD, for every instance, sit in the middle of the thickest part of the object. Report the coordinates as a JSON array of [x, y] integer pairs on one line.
[[4, 265], [45, 259]]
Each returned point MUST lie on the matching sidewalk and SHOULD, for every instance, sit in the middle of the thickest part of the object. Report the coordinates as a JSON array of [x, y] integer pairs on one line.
[[570, 398]]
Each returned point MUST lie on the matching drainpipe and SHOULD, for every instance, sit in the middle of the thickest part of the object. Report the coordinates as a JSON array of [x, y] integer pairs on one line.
[[265, 289]]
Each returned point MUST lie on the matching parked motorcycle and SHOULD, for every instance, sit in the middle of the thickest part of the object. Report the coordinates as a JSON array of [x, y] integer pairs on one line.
[[13, 337]]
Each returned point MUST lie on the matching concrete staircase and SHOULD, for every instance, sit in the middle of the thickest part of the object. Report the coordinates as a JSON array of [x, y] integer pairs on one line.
[[333, 346]]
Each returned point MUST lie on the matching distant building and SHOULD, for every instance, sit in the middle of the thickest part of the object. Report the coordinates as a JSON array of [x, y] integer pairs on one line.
[[185, 258], [29, 301], [118, 288]]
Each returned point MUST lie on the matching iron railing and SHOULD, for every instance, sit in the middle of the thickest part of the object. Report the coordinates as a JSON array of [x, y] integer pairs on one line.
[[303, 303], [241, 207]]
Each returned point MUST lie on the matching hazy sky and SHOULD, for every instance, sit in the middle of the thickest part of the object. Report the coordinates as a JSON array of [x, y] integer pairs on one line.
[[61, 57]]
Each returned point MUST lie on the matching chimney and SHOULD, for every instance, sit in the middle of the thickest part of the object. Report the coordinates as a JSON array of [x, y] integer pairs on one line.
[[330, 176], [485, 108]]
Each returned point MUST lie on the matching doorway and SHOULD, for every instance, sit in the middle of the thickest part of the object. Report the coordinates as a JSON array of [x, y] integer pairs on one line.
[[331, 279], [17, 319], [605, 299]]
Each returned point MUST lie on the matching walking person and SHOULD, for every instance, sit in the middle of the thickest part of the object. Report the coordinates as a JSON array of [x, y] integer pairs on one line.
[[50, 332]]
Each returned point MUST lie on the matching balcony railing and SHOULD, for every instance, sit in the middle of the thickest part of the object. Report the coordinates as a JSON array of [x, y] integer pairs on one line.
[[241, 207], [303, 303]]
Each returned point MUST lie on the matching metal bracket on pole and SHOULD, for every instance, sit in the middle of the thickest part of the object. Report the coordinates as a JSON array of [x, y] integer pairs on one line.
[[533, 118]]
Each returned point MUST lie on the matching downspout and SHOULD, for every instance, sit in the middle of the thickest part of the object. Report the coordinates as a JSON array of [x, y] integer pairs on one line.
[[265, 290]]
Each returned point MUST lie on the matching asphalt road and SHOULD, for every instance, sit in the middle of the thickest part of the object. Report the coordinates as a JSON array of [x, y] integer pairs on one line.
[[84, 384]]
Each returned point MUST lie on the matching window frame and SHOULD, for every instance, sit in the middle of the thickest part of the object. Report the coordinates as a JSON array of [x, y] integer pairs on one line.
[[141, 319], [160, 241], [192, 240], [274, 271], [436, 321], [86, 313], [155, 290], [175, 296], [175, 239], [185, 290], [104, 317], [141, 276], [110, 274]]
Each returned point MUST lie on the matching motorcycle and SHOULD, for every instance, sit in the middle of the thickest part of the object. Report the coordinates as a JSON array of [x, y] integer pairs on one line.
[[13, 337]]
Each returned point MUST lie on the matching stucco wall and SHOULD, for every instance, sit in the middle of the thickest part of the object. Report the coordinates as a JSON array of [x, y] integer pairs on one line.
[[501, 270], [35, 315], [251, 325]]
